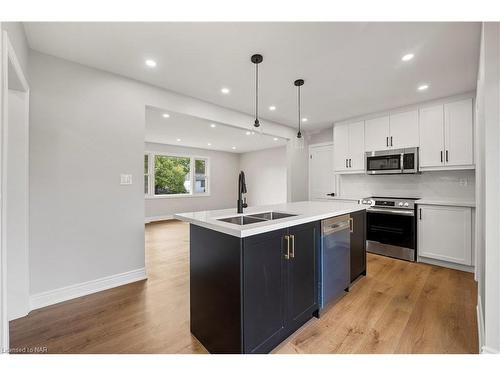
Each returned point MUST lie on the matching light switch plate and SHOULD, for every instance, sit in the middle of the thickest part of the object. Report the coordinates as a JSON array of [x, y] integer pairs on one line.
[[125, 179]]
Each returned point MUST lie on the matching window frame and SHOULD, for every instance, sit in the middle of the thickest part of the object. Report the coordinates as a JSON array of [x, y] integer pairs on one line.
[[192, 178]]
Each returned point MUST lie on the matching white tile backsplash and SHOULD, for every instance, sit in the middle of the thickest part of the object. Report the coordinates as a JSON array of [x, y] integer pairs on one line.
[[441, 184]]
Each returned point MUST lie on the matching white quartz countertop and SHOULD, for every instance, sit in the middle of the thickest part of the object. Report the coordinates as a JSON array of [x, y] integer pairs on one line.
[[447, 202], [306, 212]]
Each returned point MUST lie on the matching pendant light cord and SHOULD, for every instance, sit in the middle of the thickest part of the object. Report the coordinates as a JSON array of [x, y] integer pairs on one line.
[[299, 107], [256, 92]]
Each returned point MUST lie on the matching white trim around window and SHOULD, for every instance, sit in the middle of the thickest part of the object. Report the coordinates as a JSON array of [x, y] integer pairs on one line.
[[192, 175]]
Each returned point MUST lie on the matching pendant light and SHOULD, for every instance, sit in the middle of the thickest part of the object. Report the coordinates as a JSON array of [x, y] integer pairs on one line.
[[299, 142], [256, 59]]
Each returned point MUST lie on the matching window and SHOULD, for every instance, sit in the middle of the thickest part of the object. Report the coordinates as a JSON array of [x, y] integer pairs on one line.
[[175, 175]]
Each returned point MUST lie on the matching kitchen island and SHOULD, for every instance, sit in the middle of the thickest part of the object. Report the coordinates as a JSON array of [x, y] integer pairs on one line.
[[254, 277]]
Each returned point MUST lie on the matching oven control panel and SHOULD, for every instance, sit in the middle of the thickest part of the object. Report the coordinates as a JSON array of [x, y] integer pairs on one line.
[[404, 203]]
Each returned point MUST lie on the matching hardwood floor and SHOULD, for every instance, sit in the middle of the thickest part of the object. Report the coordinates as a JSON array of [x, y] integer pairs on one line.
[[399, 307]]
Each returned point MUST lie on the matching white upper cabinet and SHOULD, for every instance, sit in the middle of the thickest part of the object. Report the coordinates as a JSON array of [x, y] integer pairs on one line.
[[341, 147], [357, 146], [431, 131], [404, 130], [349, 147], [398, 130], [447, 136], [458, 133], [377, 134]]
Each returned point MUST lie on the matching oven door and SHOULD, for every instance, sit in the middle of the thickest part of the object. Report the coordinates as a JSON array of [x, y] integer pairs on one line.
[[391, 232], [384, 162]]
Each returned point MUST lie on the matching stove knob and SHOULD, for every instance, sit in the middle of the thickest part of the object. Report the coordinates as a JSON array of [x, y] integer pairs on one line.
[[400, 204], [406, 204]]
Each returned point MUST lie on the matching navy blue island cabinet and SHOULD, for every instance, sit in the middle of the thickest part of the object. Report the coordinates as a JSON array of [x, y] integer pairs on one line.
[[248, 294]]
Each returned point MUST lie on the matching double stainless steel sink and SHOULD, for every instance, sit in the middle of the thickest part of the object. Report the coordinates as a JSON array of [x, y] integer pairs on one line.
[[255, 218]]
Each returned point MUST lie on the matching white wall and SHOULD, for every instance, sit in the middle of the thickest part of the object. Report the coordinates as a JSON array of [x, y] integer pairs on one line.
[[87, 127], [441, 184], [321, 136], [297, 171], [265, 176], [223, 180]]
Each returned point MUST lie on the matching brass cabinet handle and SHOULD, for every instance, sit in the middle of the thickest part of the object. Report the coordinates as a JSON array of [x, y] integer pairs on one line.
[[351, 224], [287, 255], [292, 254]]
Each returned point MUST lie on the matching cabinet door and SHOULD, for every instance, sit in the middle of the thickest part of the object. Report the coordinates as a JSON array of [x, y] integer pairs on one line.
[[444, 233], [357, 146], [358, 244], [341, 146], [431, 130], [458, 131], [263, 290], [302, 275], [377, 134], [404, 130]]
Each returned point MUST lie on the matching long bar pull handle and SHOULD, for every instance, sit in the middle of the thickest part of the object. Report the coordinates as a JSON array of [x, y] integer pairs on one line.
[[391, 140], [420, 213], [441, 156], [351, 224], [350, 166], [387, 141], [292, 253], [287, 254], [346, 165], [447, 156]]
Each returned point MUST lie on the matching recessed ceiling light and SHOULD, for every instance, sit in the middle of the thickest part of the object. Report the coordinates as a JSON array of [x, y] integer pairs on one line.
[[166, 115], [248, 132], [234, 148], [150, 63], [272, 108], [408, 57], [423, 87], [209, 144], [178, 139], [213, 125], [304, 119], [275, 139], [224, 90]]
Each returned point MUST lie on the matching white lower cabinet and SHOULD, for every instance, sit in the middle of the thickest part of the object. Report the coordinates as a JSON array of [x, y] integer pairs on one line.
[[445, 233]]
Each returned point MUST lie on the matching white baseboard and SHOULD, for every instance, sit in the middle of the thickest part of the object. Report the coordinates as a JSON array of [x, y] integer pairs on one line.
[[480, 322], [78, 290], [487, 350], [151, 219], [442, 263]]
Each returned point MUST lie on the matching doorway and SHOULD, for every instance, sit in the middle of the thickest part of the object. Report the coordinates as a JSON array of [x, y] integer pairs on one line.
[[321, 176]]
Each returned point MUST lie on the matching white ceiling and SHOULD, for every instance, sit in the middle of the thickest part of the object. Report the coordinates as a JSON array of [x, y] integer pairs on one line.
[[195, 132], [349, 69]]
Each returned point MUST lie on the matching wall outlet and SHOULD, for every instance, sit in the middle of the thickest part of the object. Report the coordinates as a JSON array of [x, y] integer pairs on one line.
[[463, 182], [125, 179]]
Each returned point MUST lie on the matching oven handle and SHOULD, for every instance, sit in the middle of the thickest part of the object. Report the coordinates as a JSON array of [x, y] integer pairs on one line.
[[391, 212]]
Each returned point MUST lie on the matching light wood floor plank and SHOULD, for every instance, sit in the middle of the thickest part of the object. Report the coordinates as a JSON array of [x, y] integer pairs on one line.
[[399, 307]]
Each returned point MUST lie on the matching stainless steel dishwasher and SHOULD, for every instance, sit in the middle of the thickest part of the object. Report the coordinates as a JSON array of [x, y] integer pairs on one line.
[[335, 259]]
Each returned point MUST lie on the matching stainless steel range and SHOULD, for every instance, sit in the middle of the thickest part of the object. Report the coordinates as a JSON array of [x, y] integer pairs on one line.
[[391, 227]]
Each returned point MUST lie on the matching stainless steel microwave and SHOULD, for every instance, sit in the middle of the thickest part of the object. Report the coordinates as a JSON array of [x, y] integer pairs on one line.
[[399, 161]]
